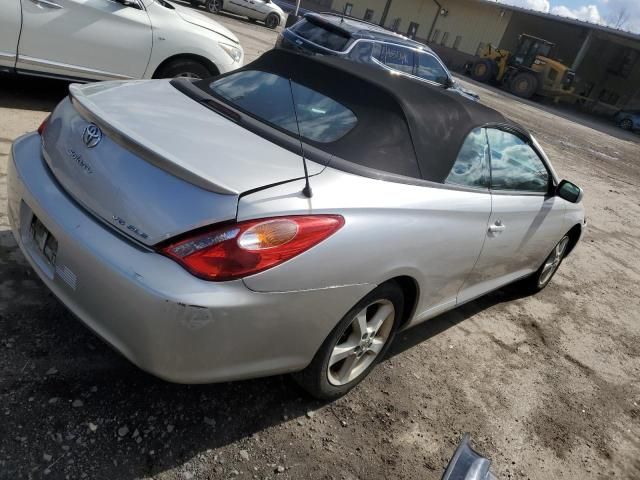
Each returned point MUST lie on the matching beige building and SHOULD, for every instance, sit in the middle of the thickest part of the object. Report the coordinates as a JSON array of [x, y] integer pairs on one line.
[[606, 61]]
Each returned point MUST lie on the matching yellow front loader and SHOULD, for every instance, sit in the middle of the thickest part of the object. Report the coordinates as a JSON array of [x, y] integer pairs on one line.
[[527, 72]]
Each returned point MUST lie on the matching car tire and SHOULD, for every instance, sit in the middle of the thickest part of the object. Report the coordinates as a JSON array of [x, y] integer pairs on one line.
[[483, 70], [353, 355], [523, 85], [272, 21], [184, 68], [626, 124], [214, 6], [544, 274]]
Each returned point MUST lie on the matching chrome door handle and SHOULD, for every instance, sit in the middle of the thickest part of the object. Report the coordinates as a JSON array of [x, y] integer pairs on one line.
[[497, 227], [46, 3]]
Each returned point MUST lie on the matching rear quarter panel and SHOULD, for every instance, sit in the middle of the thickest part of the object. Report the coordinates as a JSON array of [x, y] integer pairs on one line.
[[433, 235]]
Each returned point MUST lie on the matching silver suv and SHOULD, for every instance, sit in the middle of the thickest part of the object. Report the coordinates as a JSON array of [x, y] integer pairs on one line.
[[364, 42]]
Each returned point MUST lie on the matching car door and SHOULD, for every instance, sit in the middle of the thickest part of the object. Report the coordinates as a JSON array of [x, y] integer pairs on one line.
[[460, 230], [239, 7], [10, 19], [93, 39], [259, 9], [526, 220]]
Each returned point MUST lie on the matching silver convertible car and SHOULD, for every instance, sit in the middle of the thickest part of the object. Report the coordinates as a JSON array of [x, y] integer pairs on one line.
[[290, 216]]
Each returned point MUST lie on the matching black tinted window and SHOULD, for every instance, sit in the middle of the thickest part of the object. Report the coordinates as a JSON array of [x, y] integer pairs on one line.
[[321, 36], [514, 164], [398, 58], [430, 69], [471, 166], [363, 52], [268, 97]]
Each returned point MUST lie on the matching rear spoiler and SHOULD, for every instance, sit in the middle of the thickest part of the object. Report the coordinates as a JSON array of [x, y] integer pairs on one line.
[[321, 22]]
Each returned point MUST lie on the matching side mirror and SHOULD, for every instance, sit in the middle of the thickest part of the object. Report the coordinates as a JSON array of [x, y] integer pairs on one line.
[[569, 191]]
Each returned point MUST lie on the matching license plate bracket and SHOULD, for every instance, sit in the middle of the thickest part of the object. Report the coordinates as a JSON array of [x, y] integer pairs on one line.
[[43, 240]]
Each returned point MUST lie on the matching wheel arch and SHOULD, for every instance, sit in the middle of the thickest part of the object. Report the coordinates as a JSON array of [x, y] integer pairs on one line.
[[277, 15], [187, 56], [410, 290], [574, 235]]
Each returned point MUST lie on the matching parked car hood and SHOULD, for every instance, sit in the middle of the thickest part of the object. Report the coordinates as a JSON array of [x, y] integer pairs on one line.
[[191, 16]]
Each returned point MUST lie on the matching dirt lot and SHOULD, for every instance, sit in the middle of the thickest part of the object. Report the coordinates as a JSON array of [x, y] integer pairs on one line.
[[548, 386]]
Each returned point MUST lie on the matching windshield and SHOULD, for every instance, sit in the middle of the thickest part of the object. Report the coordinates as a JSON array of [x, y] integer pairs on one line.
[[268, 97]]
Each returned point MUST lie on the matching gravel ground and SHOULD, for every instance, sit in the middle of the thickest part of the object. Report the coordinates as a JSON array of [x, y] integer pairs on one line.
[[548, 386]]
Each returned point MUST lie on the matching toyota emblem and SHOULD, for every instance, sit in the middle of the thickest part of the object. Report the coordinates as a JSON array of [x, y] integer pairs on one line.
[[91, 135]]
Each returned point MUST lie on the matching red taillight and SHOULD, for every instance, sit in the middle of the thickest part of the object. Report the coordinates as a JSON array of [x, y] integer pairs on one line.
[[241, 249], [43, 125]]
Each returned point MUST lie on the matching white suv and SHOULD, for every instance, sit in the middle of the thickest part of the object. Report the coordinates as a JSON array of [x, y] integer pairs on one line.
[[113, 39]]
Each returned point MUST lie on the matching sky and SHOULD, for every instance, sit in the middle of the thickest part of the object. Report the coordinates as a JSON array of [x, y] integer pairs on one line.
[[596, 11]]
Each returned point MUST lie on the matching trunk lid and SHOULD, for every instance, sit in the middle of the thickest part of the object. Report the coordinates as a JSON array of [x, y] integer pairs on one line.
[[164, 164]]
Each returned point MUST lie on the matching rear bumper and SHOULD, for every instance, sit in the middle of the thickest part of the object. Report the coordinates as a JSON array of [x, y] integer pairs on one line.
[[147, 307]]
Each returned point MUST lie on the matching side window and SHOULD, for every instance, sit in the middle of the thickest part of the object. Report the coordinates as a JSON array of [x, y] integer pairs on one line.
[[269, 97], [430, 69], [514, 164], [363, 51], [471, 168], [398, 58]]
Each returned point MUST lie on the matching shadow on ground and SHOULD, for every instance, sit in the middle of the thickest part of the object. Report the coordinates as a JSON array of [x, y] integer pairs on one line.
[[74, 407], [31, 93]]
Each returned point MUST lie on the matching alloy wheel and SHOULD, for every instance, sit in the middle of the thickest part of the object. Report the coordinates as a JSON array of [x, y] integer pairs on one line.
[[361, 342], [272, 21], [552, 262], [214, 6], [626, 124]]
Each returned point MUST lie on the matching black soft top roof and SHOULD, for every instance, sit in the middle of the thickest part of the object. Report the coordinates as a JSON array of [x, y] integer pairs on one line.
[[385, 105]]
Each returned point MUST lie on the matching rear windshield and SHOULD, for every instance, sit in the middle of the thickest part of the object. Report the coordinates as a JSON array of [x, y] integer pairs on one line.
[[325, 37], [269, 98]]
